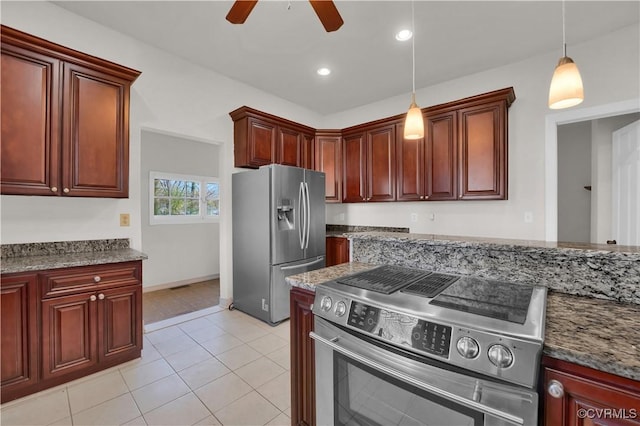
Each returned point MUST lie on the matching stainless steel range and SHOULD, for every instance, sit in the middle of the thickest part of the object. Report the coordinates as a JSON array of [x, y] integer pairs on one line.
[[400, 346]]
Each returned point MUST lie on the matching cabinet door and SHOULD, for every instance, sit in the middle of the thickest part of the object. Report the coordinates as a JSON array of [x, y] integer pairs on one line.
[[328, 159], [120, 322], [381, 164], [308, 152], [95, 138], [483, 152], [69, 337], [289, 150], [441, 141], [354, 171], [584, 398], [303, 380], [410, 177], [19, 331], [29, 147], [261, 143], [337, 251]]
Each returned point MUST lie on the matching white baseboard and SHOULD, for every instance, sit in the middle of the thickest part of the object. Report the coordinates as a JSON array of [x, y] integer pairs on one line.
[[179, 283], [225, 302]]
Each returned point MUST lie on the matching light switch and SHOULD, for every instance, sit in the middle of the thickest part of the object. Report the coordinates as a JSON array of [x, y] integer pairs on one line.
[[124, 219]]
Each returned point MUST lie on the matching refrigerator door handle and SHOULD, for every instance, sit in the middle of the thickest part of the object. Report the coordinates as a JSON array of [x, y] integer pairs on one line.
[[313, 262], [301, 215], [308, 211]]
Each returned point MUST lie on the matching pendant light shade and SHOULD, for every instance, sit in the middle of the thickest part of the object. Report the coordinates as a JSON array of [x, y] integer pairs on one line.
[[414, 123], [566, 84]]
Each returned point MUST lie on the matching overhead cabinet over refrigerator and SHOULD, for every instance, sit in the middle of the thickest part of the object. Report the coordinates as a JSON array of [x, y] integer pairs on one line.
[[278, 230]]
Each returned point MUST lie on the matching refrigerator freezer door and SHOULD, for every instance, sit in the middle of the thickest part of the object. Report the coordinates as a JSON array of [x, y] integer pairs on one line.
[[287, 214], [316, 228], [280, 289]]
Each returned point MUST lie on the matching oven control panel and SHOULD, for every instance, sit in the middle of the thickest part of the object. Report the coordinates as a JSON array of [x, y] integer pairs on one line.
[[423, 336]]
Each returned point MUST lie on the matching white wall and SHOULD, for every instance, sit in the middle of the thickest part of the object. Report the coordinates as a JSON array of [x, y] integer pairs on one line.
[[609, 67], [574, 173], [171, 95]]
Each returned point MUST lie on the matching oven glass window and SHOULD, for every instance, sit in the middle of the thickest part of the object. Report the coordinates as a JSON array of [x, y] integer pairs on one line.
[[366, 397]]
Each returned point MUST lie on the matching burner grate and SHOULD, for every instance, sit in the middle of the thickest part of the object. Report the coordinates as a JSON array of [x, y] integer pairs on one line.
[[431, 285], [384, 279]]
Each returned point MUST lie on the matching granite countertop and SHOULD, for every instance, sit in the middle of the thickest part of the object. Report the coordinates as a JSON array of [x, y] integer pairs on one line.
[[600, 334], [42, 256], [630, 252], [347, 230]]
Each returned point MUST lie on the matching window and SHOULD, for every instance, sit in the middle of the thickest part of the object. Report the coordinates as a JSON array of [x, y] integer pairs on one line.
[[175, 198]]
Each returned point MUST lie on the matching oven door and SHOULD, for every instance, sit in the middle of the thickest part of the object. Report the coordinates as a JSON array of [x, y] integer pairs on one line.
[[360, 382]]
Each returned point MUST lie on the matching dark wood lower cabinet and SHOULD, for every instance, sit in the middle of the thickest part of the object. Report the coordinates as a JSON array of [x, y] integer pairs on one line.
[[337, 251], [303, 383], [574, 396], [19, 332], [63, 324]]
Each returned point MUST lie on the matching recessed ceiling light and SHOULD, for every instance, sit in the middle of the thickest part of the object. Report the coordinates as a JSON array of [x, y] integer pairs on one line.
[[324, 71], [403, 35]]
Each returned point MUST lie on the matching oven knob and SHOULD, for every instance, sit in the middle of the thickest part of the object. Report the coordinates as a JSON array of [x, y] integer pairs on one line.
[[500, 356], [341, 309], [468, 347], [326, 303]]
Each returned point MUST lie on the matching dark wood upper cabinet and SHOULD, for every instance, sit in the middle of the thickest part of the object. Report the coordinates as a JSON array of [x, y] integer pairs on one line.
[[441, 161], [369, 165], [462, 157], [354, 162], [261, 139], [483, 152], [65, 120], [328, 159]]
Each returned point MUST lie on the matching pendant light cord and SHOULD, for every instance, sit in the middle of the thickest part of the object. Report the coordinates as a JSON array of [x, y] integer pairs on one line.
[[564, 38], [413, 47]]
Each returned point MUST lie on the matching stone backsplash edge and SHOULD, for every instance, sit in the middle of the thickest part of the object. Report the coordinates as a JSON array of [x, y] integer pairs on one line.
[[61, 247]]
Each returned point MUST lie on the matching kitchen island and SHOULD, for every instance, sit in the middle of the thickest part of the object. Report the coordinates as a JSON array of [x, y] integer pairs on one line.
[[592, 341]]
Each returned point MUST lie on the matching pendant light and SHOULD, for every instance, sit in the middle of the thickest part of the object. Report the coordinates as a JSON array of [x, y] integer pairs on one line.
[[566, 85], [414, 123]]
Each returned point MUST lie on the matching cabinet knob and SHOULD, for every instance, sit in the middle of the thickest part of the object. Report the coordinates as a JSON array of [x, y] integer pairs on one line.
[[101, 296], [66, 190], [97, 278], [426, 197], [54, 189], [422, 197], [555, 389], [93, 298]]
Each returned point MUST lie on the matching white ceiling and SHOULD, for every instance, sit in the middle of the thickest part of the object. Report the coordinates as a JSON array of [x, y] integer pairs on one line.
[[278, 50]]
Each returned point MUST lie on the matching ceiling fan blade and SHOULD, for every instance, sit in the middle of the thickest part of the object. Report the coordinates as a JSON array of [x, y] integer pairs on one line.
[[240, 11], [328, 14]]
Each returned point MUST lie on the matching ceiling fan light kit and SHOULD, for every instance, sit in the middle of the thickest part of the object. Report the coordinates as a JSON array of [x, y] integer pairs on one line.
[[325, 9], [566, 88]]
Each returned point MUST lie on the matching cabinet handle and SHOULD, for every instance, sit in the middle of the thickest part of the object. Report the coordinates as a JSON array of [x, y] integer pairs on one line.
[[97, 278], [555, 389], [93, 298], [66, 190], [54, 189], [101, 296]]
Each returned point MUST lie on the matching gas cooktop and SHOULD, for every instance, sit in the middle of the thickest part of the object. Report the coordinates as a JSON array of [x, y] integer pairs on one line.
[[493, 327]]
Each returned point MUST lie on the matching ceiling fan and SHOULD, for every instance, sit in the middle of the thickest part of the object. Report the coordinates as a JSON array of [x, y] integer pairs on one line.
[[325, 9]]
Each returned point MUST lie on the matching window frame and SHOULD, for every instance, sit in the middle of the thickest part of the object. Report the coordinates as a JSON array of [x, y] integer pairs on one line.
[[183, 219]]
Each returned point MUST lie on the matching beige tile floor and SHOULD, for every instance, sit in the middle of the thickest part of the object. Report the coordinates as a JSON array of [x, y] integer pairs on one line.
[[223, 368]]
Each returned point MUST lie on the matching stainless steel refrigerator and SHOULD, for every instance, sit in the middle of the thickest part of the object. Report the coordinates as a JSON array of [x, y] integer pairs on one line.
[[278, 230]]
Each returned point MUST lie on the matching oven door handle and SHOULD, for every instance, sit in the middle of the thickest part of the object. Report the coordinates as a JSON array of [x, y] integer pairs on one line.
[[333, 343]]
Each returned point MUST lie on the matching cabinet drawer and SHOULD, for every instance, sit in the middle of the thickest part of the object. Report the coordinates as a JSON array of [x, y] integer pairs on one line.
[[87, 278]]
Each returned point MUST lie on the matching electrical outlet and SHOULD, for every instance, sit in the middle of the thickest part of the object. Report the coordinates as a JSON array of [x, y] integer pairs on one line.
[[124, 219], [432, 216], [414, 217]]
